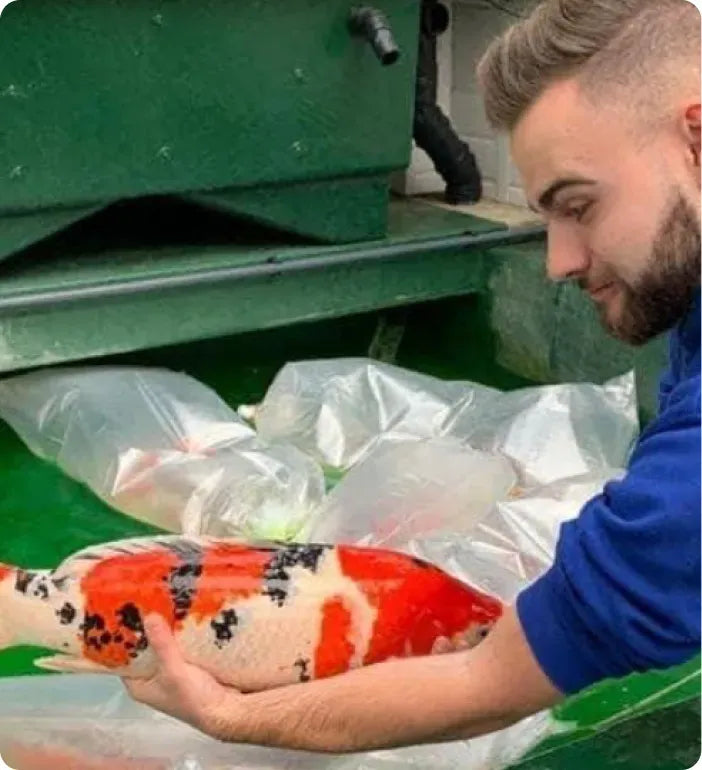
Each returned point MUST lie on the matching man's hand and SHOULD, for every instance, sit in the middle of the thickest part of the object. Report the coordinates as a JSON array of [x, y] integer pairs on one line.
[[178, 689], [457, 695]]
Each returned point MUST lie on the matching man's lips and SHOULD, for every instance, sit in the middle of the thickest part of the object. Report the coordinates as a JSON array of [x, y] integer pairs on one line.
[[600, 291]]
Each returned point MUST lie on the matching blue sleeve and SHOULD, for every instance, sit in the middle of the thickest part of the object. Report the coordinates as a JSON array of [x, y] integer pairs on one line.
[[623, 594], [671, 375]]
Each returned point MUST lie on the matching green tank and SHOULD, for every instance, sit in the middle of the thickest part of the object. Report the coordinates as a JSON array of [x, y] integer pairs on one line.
[[291, 112]]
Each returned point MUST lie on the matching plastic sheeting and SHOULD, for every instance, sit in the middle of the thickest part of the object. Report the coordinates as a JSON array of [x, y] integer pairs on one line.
[[413, 489], [514, 543], [472, 479], [88, 723], [163, 448], [339, 410]]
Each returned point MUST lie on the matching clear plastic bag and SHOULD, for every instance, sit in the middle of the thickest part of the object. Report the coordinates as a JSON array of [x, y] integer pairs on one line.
[[163, 448], [515, 542], [88, 723], [247, 490], [339, 410], [413, 489]]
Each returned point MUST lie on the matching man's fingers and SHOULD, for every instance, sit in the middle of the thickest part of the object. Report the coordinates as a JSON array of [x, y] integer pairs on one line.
[[163, 643], [442, 645]]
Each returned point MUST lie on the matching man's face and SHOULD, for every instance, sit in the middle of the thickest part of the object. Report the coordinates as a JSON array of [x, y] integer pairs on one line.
[[622, 215]]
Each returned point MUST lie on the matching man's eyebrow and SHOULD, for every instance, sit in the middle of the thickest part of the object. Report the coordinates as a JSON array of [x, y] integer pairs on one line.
[[546, 200]]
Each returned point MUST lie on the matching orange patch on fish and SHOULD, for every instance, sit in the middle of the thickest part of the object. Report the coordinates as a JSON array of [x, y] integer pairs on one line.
[[119, 592], [5, 571], [335, 650], [230, 571], [416, 603]]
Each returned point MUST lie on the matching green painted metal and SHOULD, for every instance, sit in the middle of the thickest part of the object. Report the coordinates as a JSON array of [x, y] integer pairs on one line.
[[551, 333], [125, 98], [18, 232], [666, 739], [62, 303], [335, 211]]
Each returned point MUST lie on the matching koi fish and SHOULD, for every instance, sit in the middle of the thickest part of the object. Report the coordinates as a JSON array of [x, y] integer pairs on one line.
[[255, 615]]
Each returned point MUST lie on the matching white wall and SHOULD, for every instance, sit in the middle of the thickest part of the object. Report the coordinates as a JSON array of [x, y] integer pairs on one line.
[[421, 177], [473, 24]]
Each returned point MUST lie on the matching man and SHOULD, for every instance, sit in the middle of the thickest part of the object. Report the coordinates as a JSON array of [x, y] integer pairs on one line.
[[601, 99]]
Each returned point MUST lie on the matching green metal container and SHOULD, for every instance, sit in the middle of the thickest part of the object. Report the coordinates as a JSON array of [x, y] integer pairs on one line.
[[272, 109]]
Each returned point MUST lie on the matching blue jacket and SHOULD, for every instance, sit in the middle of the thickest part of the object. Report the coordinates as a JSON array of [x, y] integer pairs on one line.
[[623, 593]]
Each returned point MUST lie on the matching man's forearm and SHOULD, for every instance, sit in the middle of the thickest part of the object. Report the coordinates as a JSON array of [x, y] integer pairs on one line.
[[391, 704], [398, 703]]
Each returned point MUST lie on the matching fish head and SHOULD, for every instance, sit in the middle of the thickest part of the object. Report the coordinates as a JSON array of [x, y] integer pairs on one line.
[[472, 636], [455, 615]]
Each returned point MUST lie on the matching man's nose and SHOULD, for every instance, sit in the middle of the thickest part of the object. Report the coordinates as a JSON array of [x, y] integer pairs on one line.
[[566, 255]]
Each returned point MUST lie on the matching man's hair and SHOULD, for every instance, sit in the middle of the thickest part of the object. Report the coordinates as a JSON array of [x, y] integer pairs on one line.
[[630, 49]]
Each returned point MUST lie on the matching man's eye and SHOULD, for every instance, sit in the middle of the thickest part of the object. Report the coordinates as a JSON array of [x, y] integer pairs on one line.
[[578, 212]]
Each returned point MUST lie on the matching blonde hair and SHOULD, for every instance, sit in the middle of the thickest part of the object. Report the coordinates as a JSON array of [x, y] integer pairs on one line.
[[635, 48]]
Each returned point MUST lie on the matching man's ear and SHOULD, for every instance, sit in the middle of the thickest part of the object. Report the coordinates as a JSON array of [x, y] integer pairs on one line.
[[692, 133]]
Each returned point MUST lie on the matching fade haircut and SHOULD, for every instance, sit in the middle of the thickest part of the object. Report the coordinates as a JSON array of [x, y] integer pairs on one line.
[[634, 51]]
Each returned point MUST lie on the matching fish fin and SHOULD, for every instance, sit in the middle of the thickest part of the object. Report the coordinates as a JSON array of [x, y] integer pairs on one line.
[[82, 560], [183, 545], [72, 664]]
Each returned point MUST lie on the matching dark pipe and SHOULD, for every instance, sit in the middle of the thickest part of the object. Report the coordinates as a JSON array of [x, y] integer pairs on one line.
[[371, 24], [274, 266], [433, 132]]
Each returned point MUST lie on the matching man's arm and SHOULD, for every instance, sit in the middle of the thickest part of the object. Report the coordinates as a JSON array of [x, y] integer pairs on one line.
[[396, 703], [623, 594]]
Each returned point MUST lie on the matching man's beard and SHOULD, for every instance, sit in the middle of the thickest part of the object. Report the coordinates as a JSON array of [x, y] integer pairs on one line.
[[663, 294]]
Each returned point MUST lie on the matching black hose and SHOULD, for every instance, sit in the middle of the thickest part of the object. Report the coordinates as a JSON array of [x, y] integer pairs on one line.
[[433, 131]]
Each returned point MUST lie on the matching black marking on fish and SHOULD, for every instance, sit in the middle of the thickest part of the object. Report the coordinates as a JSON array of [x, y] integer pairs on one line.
[[182, 584], [96, 634], [130, 618], [182, 580], [23, 579], [421, 563], [276, 576], [277, 594], [222, 626], [304, 665], [41, 591], [38, 583], [93, 622], [67, 614], [93, 627]]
